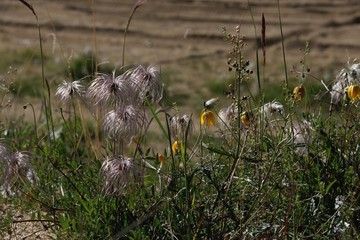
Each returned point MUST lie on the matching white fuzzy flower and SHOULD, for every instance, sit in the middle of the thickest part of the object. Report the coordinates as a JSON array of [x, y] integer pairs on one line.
[[181, 127], [227, 117], [146, 83], [302, 137], [271, 108], [116, 173], [123, 123], [67, 90]]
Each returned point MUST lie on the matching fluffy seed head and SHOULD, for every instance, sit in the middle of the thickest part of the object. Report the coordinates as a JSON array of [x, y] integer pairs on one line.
[[107, 89], [17, 165], [116, 173], [146, 83], [271, 108], [227, 117], [181, 127], [68, 90], [123, 122]]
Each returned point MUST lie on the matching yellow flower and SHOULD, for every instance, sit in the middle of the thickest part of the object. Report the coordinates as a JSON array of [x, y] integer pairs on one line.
[[245, 118], [176, 146], [299, 92], [208, 118], [353, 92]]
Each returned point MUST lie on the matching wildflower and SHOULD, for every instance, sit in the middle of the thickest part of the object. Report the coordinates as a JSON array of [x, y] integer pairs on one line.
[[271, 108], [147, 83], [123, 122], [107, 89], [302, 137], [161, 158], [176, 147], [181, 126], [208, 118], [245, 118], [209, 104], [353, 92], [67, 90], [116, 173], [17, 165], [298, 92], [227, 116]]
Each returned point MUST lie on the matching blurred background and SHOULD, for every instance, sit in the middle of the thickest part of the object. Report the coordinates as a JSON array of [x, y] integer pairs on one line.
[[183, 37]]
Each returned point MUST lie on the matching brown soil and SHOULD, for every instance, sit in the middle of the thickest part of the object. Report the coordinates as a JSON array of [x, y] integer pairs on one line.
[[184, 37]]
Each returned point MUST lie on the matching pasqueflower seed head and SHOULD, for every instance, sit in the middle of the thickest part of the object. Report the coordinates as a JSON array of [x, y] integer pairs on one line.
[[68, 90], [147, 84], [107, 89], [227, 117], [116, 173], [123, 122], [181, 127], [271, 108], [18, 165]]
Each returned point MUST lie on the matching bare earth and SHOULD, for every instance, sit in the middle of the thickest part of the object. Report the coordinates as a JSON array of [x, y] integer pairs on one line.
[[184, 36]]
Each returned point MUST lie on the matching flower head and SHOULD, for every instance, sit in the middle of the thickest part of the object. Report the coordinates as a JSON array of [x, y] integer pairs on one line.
[[245, 118], [302, 137], [123, 122], [67, 90], [17, 165], [146, 83], [116, 172], [176, 147], [161, 158], [208, 118], [107, 89], [227, 116], [181, 126], [353, 92], [271, 108], [298, 92]]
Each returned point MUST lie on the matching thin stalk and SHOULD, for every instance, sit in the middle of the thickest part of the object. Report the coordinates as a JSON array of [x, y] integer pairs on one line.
[[46, 87], [137, 5], [283, 46]]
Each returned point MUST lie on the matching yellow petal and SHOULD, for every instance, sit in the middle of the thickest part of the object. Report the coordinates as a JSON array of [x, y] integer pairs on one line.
[[299, 92], [208, 118], [176, 146], [353, 92], [245, 118]]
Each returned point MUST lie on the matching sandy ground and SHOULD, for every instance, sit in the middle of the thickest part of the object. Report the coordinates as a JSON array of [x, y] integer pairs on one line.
[[184, 37]]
